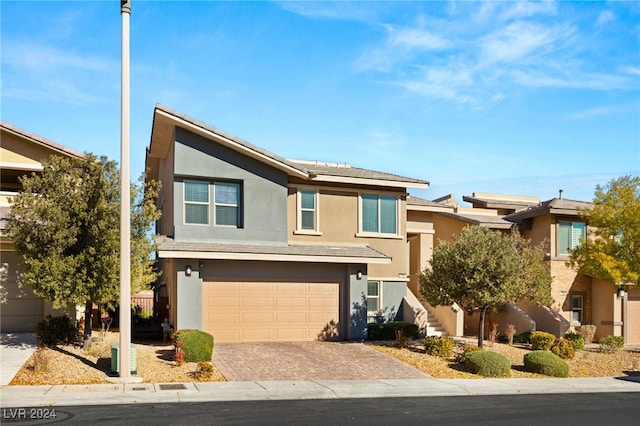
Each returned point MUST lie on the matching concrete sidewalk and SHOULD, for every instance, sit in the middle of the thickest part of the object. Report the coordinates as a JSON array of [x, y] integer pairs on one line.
[[64, 395], [15, 350]]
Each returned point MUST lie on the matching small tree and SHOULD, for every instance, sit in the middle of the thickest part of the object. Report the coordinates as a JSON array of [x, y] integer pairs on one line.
[[612, 250], [484, 269], [65, 223]]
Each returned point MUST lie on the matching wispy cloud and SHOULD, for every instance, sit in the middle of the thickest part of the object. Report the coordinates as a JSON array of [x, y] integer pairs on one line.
[[594, 112], [605, 17]]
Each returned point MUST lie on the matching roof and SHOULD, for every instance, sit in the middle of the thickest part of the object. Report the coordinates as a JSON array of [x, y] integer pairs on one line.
[[40, 140], [500, 201], [420, 204], [169, 248], [487, 220], [166, 119], [553, 206]]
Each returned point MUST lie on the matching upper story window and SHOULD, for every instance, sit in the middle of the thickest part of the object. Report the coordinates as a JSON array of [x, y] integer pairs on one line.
[[196, 203], [227, 203], [569, 234], [308, 218], [379, 214]]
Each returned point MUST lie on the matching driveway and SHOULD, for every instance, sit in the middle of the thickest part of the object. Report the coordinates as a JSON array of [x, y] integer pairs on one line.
[[308, 361], [15, 350]]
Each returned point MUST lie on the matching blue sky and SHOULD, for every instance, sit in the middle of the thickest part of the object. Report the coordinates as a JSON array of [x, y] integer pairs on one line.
[[502, 97]]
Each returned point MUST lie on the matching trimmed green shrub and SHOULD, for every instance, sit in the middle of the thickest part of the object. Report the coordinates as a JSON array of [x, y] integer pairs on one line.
[[588, 331], [544, 362], [576, 340], [441, 346], [466, 348], [387, 330], [524, 337], [542, 341], [611, 344], [198, 345], [53, 331], [564, 349], [487, 363]]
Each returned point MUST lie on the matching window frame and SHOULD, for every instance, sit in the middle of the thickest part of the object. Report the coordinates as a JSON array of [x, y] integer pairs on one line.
[[581, 310], [378, 233], [378, 297], [217, 204], [315, 211], [197, 203], [573, 241]]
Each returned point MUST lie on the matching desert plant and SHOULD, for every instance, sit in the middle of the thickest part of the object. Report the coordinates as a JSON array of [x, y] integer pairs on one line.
[[401, 339], [387, 330], [588, 332], [524, 337], [441, 346], [564, 349], [541, 340], [53, 331], [198, 345], [611, 344], [511, 331], [179, 355], [204, 371], [493, 333], [41, 360], [547, 363], [576, 340], [487, 363], [466, 348]]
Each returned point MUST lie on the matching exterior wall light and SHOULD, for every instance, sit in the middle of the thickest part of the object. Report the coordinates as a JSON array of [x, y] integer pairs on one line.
[[359, 275], [187, 271]]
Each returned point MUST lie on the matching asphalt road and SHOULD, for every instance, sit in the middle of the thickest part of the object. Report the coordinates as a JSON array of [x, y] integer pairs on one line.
[[565, 409]]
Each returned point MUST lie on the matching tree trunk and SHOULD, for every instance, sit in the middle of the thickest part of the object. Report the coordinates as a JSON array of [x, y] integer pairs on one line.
[[483, 313], [88, 314]]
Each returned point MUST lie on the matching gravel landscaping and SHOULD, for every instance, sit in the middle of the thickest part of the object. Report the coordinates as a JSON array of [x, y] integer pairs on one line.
[[72, 365]]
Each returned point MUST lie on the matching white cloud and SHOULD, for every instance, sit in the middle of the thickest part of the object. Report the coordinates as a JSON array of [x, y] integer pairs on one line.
[[521, 9], [605, 17], [415, 38]]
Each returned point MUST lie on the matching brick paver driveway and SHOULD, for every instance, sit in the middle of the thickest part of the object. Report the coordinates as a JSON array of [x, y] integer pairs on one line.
[[308, 361]]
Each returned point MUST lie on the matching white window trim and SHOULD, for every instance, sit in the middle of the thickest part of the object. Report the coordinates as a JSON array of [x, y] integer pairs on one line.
[[316, 217], [558, 242], [237, 206], [200, 203], [363, 234], [582, 309], [371, 314]]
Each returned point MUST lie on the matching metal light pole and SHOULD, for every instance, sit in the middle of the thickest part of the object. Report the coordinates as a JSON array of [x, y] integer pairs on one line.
[[125, 202]]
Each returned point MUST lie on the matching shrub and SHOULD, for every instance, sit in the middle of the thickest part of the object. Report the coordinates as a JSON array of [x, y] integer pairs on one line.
[[588, 331], [576, 340], [564, 349], [41, 360], [542, 341], [466, 348], [387, 330], [511, 332], [204, 371], [544, 362], [611, 344], [523, 337], [198, 345], [441, 346], [53, 331], [487, 363]]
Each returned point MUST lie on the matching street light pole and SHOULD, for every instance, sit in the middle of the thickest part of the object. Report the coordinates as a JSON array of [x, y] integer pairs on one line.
[[125, 202]]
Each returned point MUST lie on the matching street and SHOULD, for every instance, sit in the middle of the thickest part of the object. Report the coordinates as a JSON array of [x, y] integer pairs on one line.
[[569, 409]]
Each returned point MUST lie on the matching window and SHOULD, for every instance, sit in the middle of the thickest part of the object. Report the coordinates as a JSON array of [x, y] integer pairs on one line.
[[577, 308], [196, 202], [373, 297], [569, 234], [307, 211], [379, 214], [227, 201]]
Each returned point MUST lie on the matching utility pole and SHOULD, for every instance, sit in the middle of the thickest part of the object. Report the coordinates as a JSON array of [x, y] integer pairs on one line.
[[125, 202]]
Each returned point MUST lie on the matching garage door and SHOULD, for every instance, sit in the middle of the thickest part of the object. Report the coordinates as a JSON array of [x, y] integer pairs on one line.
[[268, 311], [633, 305], [20, 308]]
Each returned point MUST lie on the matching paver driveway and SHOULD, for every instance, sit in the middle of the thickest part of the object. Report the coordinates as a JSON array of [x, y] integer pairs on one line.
[[308, 361]]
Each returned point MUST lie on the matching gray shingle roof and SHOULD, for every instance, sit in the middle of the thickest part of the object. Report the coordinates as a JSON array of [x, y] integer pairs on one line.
[[553, 206], [347, 171], [287, 252]]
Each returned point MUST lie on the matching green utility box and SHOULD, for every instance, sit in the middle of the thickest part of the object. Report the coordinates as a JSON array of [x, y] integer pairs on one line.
[[115, 359]]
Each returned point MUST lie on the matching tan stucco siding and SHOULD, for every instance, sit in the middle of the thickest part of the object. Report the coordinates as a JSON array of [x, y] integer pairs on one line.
[[15, 149], [565, 282], [446, 228], [607, 315]]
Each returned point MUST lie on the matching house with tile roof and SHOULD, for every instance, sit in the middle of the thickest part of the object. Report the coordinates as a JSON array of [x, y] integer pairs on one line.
[[21, 153], [256, 247]]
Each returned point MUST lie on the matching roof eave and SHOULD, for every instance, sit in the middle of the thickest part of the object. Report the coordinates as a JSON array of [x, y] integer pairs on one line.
[[375, 182], [180, 254]]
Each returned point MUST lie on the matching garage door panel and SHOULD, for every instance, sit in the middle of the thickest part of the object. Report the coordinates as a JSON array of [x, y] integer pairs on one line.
[[257, 311], [633, 305]]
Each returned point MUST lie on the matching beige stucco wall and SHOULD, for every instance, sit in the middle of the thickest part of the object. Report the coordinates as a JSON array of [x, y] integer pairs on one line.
[[338, 224], [566, 281], [15, 149], [607, 309]]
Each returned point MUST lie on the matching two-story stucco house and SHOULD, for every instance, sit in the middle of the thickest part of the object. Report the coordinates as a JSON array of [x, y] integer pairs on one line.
[[21, 153], [255, 247]]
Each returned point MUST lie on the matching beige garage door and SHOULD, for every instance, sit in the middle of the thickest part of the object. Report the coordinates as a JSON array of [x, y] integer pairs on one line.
[[268, 311], [634, 317], [20, 308]]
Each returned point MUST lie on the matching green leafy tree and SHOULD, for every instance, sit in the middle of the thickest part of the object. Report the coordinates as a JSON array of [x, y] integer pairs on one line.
[[484, 269], [612, 250], [66, 225]]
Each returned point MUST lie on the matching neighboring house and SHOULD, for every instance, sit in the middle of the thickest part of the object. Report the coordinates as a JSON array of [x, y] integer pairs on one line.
[[255, 247], [578, 299], [21, 153]]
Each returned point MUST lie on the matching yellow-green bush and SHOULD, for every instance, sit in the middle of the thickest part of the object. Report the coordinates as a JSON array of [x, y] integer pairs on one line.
[[198, 345], [441, 346], [487, 363], [542, 341], [564, 349], [544, 362]]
